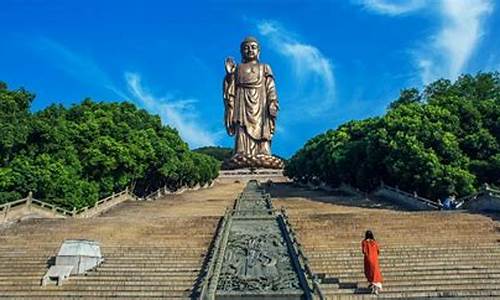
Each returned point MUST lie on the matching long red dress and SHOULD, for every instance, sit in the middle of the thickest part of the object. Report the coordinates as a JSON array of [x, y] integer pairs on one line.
[[372, 269]]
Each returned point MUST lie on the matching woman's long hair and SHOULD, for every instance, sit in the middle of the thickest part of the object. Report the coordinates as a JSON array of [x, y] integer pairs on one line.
[[369, 235]]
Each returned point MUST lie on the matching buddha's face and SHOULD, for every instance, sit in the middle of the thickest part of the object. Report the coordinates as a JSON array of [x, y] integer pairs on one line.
[[250, 51]]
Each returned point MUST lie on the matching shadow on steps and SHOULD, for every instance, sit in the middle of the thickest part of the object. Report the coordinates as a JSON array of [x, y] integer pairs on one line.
[[289, 190]]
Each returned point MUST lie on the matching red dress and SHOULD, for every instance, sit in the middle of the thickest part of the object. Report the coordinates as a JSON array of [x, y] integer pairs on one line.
[[372, 269]]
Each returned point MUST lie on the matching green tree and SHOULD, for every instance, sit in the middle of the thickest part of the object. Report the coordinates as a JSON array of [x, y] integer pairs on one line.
[[219, 153], [14, 121], [443, 140], [74, 156]]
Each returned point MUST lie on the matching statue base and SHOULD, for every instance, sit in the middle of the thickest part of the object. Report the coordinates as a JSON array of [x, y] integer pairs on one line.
[[259, 161]]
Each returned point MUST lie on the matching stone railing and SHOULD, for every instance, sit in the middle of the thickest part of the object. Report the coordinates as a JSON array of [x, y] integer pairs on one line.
[[205, 288], [345, 188], [105, 204], [7, 209], [21, 208], [486, 199], [409, 200], [303, 260], [163, 191], [483, 190]]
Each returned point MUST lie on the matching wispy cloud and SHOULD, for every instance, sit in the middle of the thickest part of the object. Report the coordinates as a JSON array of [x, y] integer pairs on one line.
[[179, 113], [446, 52], [460, 33], [79, 67], [392, 7], [309, 65]]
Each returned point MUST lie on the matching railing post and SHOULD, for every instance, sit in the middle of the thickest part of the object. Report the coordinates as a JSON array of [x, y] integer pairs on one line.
[[29, 200], [7, 209]]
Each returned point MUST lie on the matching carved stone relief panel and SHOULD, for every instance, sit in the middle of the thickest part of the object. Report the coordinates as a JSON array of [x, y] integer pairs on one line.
[[257, 259]]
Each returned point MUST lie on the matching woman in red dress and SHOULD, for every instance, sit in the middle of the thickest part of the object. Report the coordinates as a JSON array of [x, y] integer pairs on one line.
[[371, 251]]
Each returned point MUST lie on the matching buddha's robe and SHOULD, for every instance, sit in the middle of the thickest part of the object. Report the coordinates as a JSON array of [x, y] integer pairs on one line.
[[371, 252], [249, 92]]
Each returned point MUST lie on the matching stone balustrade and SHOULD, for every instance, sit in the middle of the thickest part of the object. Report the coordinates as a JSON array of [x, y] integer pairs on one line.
[[29, 207], [411, 201]]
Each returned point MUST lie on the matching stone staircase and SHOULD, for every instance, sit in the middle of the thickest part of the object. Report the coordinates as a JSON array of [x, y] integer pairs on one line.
[[423, 254], [156, 249], [152, 249]]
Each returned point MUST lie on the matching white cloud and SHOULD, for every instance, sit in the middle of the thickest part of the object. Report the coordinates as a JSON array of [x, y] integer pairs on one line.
[[447, 52], [309, 65], [178, 113], [392, 7]]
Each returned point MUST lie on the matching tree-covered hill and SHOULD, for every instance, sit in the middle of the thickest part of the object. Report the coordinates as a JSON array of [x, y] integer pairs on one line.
[[74, 156], [442, 140], [219, 153]]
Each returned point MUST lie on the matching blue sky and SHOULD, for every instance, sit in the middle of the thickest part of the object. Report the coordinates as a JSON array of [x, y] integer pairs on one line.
[[333, 60]]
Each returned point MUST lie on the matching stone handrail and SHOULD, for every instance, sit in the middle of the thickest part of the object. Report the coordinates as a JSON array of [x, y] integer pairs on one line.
[[346, 188], [87, 211], [303, 260], [104, 204], [30, 201], [492, 190], [486, 198], [52, 207], [165, 191], [6, 206], [56, 211], [213, 254], [484, 189], [427, 202]]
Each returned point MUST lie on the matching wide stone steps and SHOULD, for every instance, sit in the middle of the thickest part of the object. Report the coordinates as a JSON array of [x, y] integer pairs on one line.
[[152, 250], [357, 294], [410, 251], [423, 254], [128, 272], [407, 260], [103, 287], [111, 280], [145, 272], [415, 264], [393, 257], [77, 293], [437, 281]]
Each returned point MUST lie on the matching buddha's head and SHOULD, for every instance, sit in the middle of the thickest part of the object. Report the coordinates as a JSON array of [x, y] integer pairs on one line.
[[250, 49]]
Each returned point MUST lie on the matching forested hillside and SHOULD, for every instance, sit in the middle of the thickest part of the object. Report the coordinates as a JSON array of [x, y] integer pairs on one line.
[[219, 153], [74, 156], [444, 139]]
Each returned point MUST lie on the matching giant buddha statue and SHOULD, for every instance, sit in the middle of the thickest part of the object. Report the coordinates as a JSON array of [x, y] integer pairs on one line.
[[251, 107]]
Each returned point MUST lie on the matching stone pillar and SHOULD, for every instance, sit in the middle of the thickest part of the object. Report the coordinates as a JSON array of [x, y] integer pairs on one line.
[[7, 209], [29, 200]]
